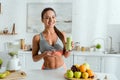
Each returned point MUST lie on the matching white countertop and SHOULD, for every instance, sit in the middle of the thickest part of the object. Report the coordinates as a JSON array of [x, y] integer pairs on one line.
[[95, 54], [57, 75], [37, 74]]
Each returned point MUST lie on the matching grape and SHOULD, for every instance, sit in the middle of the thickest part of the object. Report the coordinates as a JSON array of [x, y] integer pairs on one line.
[[74, 68]]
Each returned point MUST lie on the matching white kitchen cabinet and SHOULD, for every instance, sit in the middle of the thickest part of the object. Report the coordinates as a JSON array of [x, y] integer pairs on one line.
[[69, 61], [27, 61], [30, 64], [95, 62], [111, 65], [21, 57]]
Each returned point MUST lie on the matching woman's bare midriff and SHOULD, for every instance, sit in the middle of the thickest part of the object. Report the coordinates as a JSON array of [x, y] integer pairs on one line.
[[53, 62]]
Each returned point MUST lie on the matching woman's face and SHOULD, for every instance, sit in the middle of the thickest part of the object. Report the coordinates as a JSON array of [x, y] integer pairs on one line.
[[49, 19]]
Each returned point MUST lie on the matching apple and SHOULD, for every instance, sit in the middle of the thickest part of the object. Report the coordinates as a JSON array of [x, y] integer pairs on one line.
[[1, 62], [98, 46], [2, 75], [87, 65], [77, 74], [69, 73], [77, 66], [85, 75]]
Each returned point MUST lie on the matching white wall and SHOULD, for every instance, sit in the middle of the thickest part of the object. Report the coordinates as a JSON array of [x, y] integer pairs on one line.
[[91, 18]]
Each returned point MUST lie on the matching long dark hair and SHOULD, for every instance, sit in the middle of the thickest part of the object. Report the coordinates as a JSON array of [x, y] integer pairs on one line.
[[60, 35]]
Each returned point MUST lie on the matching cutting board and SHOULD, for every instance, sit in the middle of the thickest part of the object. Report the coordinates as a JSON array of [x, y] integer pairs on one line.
[[15, 75]]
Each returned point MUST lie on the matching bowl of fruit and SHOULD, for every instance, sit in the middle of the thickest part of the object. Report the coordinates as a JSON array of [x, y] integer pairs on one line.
[[80, 72]]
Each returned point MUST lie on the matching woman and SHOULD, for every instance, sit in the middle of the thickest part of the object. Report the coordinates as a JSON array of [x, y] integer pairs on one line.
[[48, 42]]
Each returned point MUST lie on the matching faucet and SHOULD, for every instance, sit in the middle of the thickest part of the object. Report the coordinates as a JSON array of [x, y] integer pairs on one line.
[[110, 43], [110, 50]]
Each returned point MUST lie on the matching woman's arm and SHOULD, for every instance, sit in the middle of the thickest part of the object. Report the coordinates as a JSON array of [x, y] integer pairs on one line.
[[35, 49]]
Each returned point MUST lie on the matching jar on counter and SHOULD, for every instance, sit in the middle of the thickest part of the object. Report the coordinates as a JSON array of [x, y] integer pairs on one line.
[[22, 43], [5, 30], [77, 46]]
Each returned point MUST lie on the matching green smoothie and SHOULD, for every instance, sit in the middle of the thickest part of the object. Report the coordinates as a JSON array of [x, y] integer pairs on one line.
[[69, 44]]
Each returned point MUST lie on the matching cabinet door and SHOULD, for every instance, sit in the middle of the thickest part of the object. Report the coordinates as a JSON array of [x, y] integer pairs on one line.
[[69, 61], [21, 57], [112, 65], [95, 63], [30, 64], [79, 59]]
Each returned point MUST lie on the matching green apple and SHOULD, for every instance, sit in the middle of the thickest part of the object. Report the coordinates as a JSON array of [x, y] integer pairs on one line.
[[2, 75], [69, 73], [87, 65], [85, 75], [1, 62], [77, 74], [98, 46]]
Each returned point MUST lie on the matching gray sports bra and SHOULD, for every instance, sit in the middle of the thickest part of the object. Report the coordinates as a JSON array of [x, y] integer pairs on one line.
[[45, 46]]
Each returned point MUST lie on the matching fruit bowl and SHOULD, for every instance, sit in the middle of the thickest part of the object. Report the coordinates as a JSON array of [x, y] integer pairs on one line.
[[65, 76], [80, 72]]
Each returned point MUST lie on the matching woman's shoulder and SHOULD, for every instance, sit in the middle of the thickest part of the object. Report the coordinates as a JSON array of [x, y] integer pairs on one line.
[[36, 37]]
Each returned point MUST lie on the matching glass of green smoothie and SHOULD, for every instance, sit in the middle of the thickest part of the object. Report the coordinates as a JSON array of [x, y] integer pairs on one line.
[[69, 44]]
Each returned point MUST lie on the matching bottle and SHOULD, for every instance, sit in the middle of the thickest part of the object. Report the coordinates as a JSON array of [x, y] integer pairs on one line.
[[69, 44], [77, 46], [22, 43], [13, 29]]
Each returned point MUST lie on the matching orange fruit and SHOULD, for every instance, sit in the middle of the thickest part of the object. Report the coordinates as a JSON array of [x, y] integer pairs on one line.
[[90, 72], [82, 68]]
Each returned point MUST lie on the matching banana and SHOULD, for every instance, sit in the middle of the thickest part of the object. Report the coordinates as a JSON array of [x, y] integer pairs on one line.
[[7, 73], [4, 74]]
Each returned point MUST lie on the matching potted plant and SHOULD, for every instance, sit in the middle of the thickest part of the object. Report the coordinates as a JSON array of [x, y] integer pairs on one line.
[[13, 53]]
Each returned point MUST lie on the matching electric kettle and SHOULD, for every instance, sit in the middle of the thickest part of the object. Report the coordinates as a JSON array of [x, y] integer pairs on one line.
[[13, 64]]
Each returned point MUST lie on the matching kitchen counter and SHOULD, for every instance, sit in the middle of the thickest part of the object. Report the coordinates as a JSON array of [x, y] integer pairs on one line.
[[37, 74], [83, 53], [100, 62], [95, 54]]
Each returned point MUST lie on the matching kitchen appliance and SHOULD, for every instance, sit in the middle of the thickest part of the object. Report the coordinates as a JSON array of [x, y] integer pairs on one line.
[[13, 64]]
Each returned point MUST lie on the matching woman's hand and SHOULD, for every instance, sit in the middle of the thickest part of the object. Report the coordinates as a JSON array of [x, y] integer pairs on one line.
[[50, 53], [53, 53], [72, 44]]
